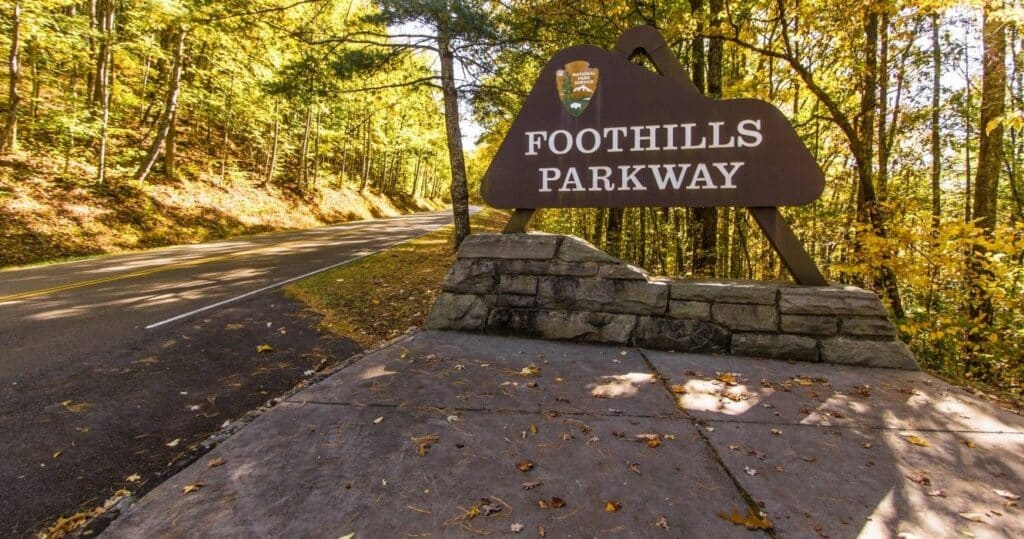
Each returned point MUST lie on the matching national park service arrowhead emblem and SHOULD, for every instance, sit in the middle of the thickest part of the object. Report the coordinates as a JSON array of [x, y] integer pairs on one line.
[[577, 83]]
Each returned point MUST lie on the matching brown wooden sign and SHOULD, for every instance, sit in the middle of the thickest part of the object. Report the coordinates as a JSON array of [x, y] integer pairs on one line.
[[598, 130]]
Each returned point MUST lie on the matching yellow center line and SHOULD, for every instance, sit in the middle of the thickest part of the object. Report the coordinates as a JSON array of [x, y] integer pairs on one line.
[[140, 273]]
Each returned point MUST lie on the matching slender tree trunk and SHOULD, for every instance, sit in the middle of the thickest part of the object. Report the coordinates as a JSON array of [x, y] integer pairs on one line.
[[415, 177], [990, 157], [171, 149], [36, 83], [883, 109], [104, 79], [614, 231], [936, 175], [968, 181], [459, 188], [9, 136], [304, 150], [170, 106], [274, 145]]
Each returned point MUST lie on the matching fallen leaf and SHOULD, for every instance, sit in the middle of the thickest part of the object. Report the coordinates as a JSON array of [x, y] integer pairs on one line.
[[937, 493], [919, 478], [264, 348], [542, 504], [216, 462], [194, 487], [973, 517], [750, 471], [541, 532], [864, 391], [527, 485], [679, 389], [489, 507], [633, 467], [751, 521], [969, 444], [516, 527], [524, 465], [803, 381], [777, 432], [916, 440], [133, 478], [76, 408], [726, 378], [173, 443], [378, 420], [533, 429], [350, 535], [653, 443], [530, 370], [612, 506], [1006, 494], [557, 503], [662, 523], [58, 453]]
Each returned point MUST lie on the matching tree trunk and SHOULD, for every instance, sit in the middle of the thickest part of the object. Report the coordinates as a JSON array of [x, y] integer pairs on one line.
[[935, 126], [459, 189], [304, 150], [171, 149], [968, 196], [104, 77], [9, 136], [614, 231], [274, 144], [705, 220], [105, 23], [990, 157], [170, 106], [883, 109]]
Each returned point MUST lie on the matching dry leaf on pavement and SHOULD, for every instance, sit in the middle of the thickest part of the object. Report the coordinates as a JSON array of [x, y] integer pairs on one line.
[[216, 462], [916, 440], [133, 478], [194, 487], [751, 521], [679, 389], [557, 503], [527, 485], [173, 443], [1006, 494], [973, 517], [662, 523], [524, 465], [612, 506], [919, 478], [264, 348], [530, 370]]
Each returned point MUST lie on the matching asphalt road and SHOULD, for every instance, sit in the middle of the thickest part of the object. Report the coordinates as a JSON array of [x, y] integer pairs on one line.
[[104, 363]]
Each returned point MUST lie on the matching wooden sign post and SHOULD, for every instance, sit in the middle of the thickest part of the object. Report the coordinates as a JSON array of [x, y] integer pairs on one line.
[[598, 131]]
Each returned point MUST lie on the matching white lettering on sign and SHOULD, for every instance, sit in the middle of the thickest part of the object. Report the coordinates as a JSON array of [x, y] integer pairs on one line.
[[666, 137], [685, 176], [677, 138]]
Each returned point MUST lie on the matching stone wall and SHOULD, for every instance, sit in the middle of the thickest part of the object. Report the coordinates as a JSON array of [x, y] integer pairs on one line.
[[561, 287]]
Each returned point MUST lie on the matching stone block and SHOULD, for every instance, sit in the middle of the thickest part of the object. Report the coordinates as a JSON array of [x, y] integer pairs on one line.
[[695, 336], [868, 327], [510, 246], [834, 300], [511, 300], [471, 276], [517, 284], [696, 310], [773, 346], [809, 324], [726, 291], [586, 326], [622, 271], [557, 292], [743, 317], [521, 322], [892, 353], [548, 267], [466, 312], [574, 249], [608, 295]]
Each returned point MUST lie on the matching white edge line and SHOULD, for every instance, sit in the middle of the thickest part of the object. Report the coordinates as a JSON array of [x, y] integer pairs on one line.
[[280, 283]]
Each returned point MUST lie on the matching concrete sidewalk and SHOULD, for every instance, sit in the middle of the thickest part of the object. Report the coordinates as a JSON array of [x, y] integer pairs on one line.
[[449, 434]]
